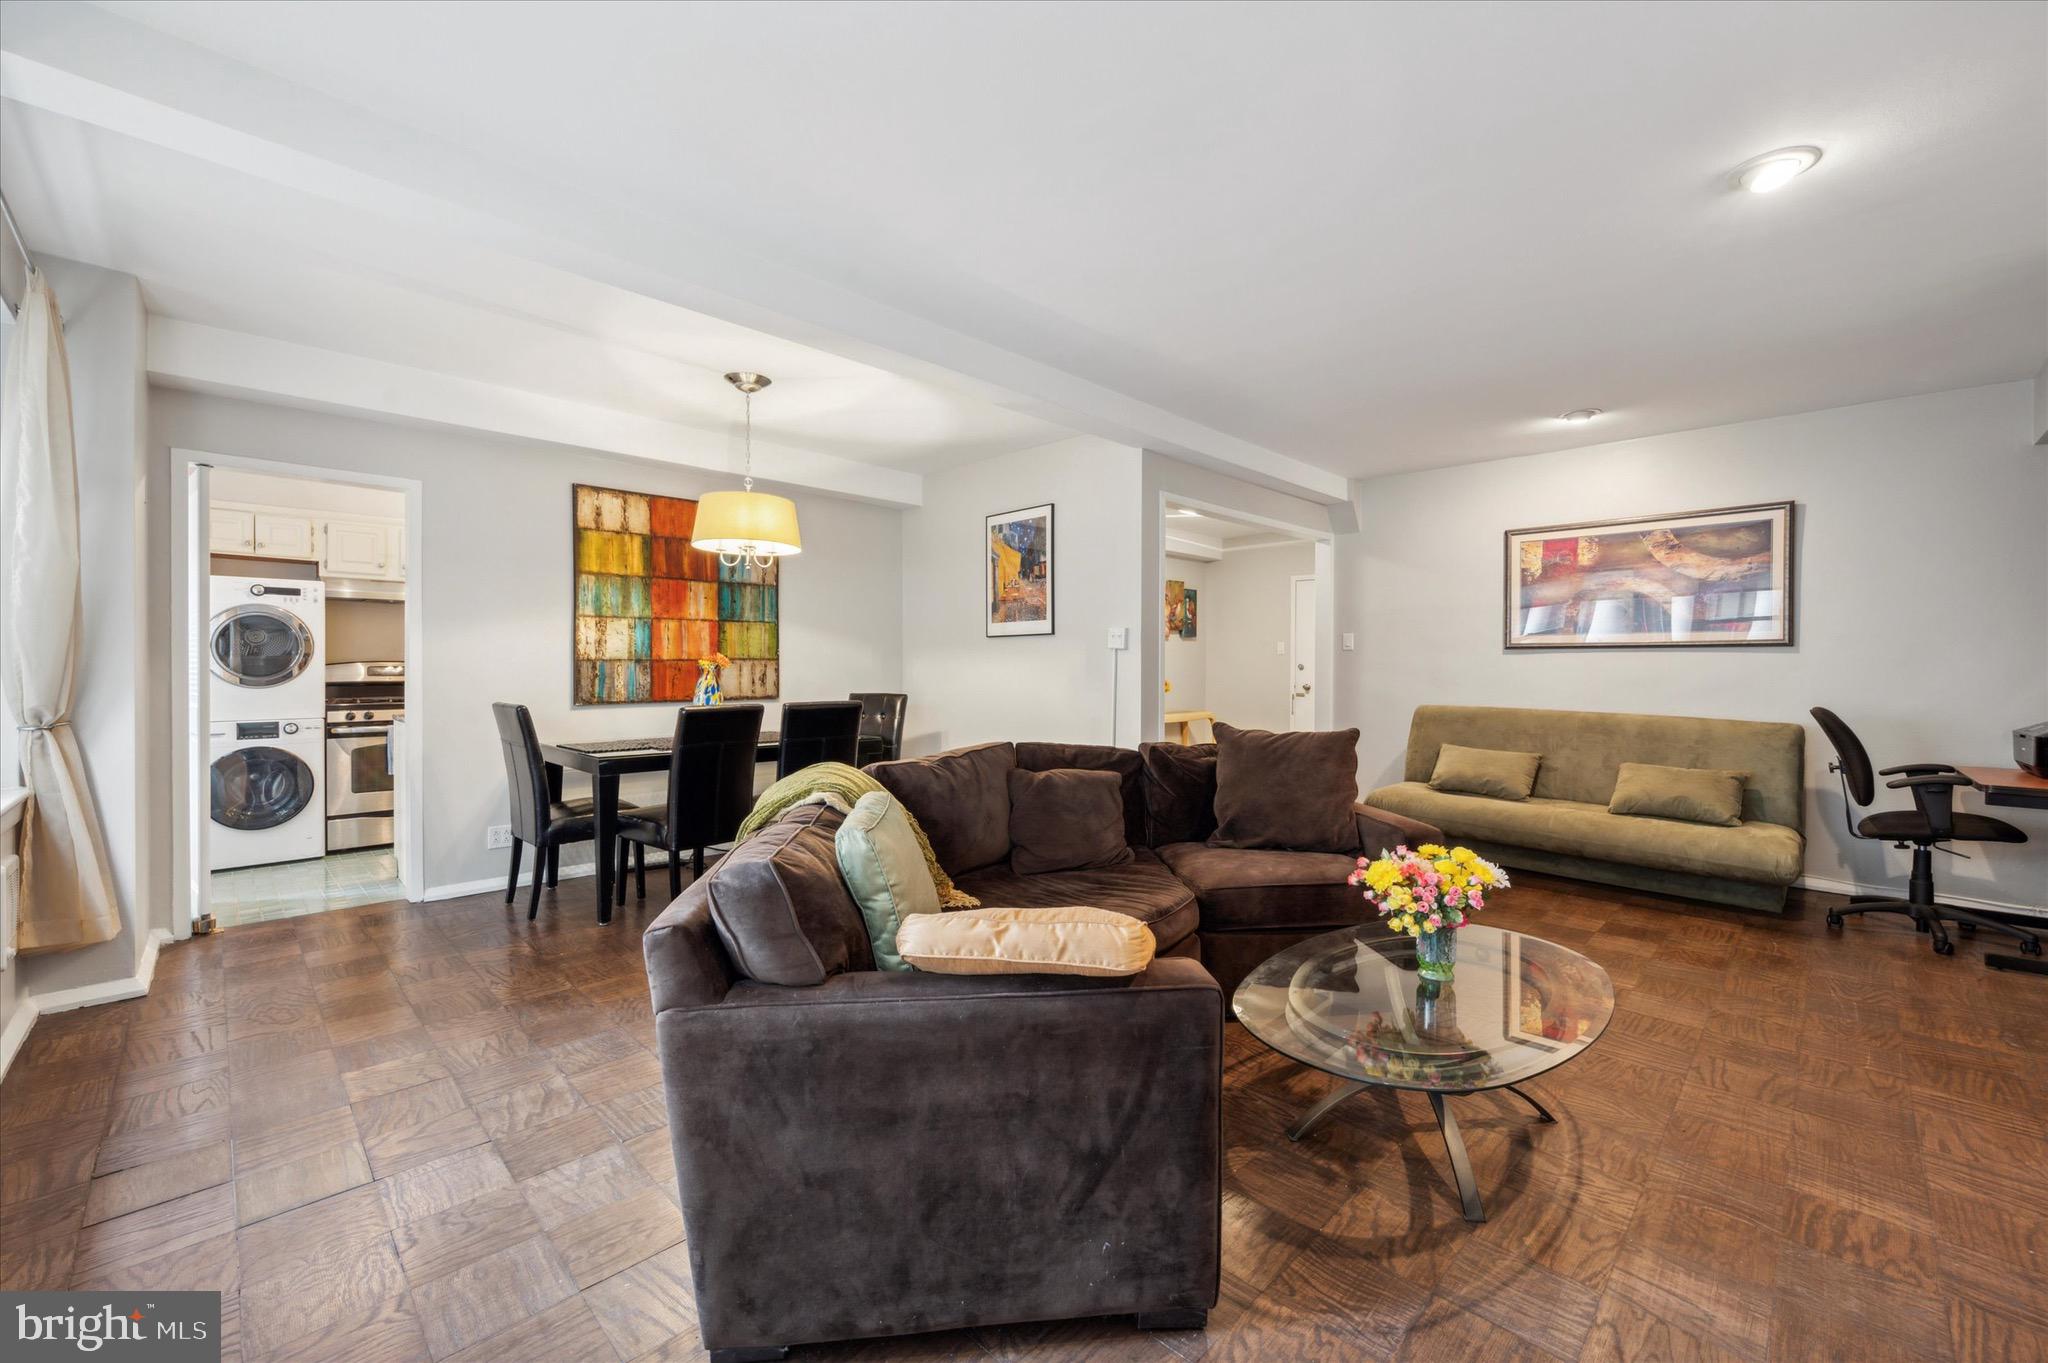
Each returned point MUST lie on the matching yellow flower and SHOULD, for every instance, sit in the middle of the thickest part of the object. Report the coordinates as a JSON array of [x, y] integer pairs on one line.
[[1464, 856], [1445, 867], [1400, 897], [1433, 850]]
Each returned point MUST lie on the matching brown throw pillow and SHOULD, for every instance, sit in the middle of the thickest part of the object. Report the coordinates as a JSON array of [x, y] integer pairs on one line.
[[1066, 820], [1485, 771], [1180, 792], [1293, 791], [1693, 794]]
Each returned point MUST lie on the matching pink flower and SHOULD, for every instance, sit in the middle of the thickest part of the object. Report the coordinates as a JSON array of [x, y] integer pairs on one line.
[[1476, 899]]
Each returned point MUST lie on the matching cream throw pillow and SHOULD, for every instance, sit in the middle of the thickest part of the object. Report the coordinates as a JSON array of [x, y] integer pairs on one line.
[[1071, 941], [885, 872]]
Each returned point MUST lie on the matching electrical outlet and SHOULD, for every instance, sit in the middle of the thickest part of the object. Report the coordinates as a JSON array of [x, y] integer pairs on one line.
[[1119, 637], [1280, 647], [498, 835], [1350, 641]]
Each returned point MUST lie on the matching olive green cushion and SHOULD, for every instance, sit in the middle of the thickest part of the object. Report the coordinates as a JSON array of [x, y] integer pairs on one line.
[[885, 872], [1689, 793], [1485, 771]]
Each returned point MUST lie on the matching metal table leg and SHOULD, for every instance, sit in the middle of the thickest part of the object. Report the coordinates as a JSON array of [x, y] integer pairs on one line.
[[1315, 1115], [1541, 1111], [1461, 1167]]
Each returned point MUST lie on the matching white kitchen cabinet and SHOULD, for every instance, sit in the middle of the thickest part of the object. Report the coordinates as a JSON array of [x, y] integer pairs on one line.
[[284, 534], [395, 533], [357, 549], [230, 530]]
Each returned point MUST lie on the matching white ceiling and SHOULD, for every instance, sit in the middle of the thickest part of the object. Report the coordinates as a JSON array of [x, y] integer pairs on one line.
[[1298, 241]]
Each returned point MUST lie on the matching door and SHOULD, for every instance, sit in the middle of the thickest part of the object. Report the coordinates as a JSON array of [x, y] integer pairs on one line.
[[258, 788], [1301, 654], [356, 549], [360, 769], [281, 535], [229, 531]]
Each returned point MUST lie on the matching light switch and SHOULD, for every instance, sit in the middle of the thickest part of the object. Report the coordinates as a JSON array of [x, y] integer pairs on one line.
[[1350, 641], [1280, 647]]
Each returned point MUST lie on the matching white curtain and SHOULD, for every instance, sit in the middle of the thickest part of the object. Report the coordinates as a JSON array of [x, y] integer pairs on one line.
[[67, 888]]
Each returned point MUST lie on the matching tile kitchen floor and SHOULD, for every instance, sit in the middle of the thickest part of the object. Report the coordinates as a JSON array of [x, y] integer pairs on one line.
[[254, 894]]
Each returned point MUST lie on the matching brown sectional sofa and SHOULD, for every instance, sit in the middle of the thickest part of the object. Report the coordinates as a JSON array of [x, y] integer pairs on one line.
[[864, 1153]]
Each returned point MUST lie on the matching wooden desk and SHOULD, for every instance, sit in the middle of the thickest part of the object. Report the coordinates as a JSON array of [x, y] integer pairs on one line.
[[1187, 719], [2008, 786]]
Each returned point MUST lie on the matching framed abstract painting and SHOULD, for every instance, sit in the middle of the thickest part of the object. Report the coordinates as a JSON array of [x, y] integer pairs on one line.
[[1700, 579], [653, 615], [1017, 581]]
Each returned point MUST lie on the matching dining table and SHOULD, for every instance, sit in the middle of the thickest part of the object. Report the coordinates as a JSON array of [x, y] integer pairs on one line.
[[604, 761]]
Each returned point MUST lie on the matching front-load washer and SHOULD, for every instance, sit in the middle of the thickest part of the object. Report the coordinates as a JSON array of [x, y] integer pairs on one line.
[[267, 803], [266, 648]]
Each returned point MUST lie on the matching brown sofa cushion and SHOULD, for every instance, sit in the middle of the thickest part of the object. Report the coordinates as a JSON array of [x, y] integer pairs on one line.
[[1485, 771], [1244, 888], [1066, 821], [780, 906], [1141, 887], [961, 799], [1180, 792], [1130, 771], [1688, 793], [1292, 790]]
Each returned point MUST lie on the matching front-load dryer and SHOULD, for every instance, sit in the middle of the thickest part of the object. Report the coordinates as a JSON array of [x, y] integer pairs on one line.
[[265, 779], [266, 648]]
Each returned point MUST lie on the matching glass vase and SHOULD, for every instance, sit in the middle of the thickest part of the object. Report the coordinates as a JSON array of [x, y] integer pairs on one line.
[[1436, 953]]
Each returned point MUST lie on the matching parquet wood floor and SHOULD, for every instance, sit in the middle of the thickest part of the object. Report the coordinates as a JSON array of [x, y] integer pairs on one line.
[[434, 1132]]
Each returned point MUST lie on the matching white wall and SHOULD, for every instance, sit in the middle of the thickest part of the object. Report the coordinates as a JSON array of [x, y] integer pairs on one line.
[[1187, 661], [1922, 601], [1245, 612], [967, 688], [496, 590]]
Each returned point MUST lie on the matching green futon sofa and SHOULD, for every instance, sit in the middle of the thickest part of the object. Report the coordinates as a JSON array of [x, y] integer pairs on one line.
[[1564, 827]]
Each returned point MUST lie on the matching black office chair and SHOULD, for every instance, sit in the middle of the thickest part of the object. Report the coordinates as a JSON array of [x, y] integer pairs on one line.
[[881, 725], [541, 818], [815, 731], [1932, 821], [710, 790]]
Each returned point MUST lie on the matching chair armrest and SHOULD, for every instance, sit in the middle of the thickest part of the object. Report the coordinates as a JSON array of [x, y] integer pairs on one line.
[[1928, 780], [896, 1151], [1382, 829], [1914, 769], [1934, 795]]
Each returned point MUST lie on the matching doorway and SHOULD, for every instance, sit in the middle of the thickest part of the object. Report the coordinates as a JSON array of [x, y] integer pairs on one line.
[[1239, 623], [298, 673]]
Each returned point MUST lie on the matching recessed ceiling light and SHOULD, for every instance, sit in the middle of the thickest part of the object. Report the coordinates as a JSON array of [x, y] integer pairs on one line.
[[1775, 169], [1582, 414], [1183, 511]]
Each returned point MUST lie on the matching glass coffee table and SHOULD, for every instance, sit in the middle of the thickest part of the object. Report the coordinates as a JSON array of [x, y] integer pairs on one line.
[[1351, 1004]]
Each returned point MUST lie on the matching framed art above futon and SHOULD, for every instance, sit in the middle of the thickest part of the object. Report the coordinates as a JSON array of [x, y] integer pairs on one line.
[[1719, 578]]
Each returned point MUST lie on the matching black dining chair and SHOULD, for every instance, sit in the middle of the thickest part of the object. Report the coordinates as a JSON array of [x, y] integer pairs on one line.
[[540, 818], [881, 725], [710, 790], [815, 731]]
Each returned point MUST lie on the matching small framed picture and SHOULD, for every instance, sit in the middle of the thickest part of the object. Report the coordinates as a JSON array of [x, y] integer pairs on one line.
[[1017, 581], [1699, 579]]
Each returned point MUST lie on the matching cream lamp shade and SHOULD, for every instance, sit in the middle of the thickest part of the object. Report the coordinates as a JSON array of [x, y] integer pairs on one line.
[[752, 524]]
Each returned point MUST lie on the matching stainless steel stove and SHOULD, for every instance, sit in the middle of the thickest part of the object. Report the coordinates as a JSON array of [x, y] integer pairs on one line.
[[363, 699]]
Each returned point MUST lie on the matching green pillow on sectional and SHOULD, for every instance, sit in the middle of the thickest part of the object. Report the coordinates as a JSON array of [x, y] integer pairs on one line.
[[1485, 771], [885, 872], [1693, 794]]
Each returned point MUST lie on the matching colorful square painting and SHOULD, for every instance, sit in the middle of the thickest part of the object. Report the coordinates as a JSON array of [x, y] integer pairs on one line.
[[1702, 578], [1017, 581], [1187, 612], [650, 609], [1177, 598]]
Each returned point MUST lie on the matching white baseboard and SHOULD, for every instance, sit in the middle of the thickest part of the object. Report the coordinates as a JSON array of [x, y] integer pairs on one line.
[[567, 872], [1961, 901], [30, 1007]]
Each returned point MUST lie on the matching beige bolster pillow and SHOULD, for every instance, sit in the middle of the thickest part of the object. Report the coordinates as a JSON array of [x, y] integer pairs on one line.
[[1064, 941]]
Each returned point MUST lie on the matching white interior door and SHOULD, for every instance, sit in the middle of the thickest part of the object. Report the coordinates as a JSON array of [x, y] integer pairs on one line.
[[198, 689], [1301, 654]]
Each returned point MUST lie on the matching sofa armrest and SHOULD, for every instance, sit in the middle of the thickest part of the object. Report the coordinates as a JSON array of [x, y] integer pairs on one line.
[[894, 1151], [686, 966], [1382, 830]]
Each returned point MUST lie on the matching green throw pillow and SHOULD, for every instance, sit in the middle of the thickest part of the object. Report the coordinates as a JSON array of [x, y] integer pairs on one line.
[[1485, 771], [1693, 794], [885, 872]]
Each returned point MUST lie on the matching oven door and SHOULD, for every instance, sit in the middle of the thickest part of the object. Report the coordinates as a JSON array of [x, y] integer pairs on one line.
[[359, 774]]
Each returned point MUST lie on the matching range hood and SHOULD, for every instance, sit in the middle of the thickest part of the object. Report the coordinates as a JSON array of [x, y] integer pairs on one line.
[[363, 589]]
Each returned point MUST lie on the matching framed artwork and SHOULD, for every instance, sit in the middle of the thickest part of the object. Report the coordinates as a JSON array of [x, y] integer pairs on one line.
[[1176, 607], [1717, 578], [1187, 621], [1017, 582], [651, 612]]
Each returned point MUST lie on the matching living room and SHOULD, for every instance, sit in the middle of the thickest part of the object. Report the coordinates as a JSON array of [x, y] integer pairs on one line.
[[880, 880]]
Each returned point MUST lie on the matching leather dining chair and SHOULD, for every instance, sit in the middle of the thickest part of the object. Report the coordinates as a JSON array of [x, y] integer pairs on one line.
[[815, 731], [540, 820], [710, 790], [881, 725]]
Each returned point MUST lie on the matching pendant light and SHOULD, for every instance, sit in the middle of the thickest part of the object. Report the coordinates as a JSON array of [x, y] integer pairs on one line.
[[746, 527]]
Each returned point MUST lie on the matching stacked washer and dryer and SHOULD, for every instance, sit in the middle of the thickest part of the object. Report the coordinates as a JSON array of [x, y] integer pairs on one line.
[[266, 650]]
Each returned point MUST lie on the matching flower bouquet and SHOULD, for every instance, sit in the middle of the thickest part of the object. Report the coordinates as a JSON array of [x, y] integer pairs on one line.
[[708, 690], [1429, 894]]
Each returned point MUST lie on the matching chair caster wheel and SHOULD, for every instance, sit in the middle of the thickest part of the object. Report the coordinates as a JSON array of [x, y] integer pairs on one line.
[[2031, 947], [1834, 920], [1969, 929], [1944, 947]]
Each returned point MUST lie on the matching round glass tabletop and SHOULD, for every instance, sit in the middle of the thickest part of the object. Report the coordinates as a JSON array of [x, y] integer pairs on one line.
[[1351, 1003]]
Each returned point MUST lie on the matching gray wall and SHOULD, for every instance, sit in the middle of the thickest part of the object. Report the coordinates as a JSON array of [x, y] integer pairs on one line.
[[1246, 610], [496, 588], [1920, 565]]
